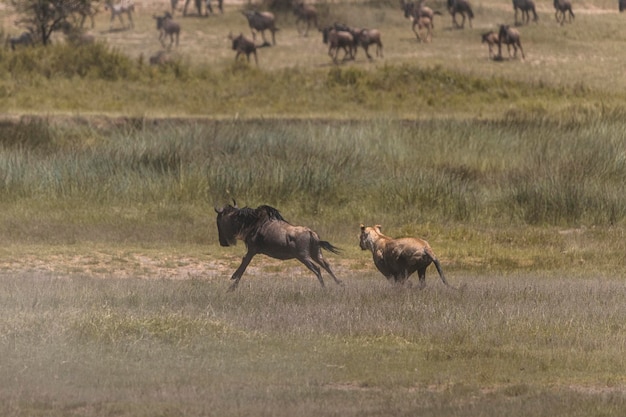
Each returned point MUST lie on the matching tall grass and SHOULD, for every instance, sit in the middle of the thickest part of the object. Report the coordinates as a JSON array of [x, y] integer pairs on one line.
[[521, 171]]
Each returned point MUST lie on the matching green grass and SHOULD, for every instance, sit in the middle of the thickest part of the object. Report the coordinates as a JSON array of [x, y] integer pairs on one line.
[[112, 284]]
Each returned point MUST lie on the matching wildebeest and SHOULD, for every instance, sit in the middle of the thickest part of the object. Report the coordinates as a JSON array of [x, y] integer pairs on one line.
[[525, 6], [397, 259], [265, 231], [24, 39], [621, 5], [261, 21], [80, 10], [367, 37], [423, 22], [117, 10], [561, 7], [510, 37], [463, 8], [245, 46], [220, 6], [167, 27], [414, 11], [305, 13], [339, 39], [198, 4], [491, 39]]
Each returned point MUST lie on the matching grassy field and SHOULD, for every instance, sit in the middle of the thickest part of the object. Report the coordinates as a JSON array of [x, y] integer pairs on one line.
[[113, 288]]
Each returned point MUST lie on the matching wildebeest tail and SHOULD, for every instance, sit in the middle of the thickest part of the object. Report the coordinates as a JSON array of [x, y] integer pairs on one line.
[[329, 247]]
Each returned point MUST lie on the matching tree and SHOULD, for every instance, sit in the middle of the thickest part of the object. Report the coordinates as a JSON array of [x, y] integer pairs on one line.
[[43, 17]]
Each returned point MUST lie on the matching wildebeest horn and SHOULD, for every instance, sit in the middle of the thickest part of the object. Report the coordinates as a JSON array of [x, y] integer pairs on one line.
[[235, 203], [218, 210]]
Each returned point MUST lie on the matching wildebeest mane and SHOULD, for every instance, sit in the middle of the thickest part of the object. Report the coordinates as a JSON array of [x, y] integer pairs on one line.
[[249, 219]]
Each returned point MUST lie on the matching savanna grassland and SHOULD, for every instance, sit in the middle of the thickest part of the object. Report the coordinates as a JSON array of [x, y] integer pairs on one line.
[[113, 286]]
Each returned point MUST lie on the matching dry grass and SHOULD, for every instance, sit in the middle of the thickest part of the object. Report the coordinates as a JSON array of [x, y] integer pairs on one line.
[[281, 346]]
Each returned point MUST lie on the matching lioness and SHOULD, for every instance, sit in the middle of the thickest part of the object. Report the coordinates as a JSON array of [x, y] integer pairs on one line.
[[397, 259]]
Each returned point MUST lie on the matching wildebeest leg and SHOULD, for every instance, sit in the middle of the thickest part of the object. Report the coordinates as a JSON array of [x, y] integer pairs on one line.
[[130, 20], [242, 268], [308, 262], [185, 7], [320, 260], [519, 44]]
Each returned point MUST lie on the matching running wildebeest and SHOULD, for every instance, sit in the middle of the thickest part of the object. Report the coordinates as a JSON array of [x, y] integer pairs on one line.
[[339, 39], [260, 22], [305, 13], [491, 39], [561, 7], [117, 10], [398, 259], [24, 39], [367, 37], [265, 231], [509, 36], [167, 27], [525, 6], [463, 8]]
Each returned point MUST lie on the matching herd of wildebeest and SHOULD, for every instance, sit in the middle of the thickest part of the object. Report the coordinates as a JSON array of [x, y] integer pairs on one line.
[[338, 35]]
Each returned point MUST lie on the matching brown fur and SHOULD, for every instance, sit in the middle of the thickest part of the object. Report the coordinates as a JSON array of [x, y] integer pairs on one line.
[[510, 37], [245, 46], [260, 22], [167, 27], [398, 259], [367, 37], [491, 39], [561, 7], [336, 40], [525, 6], [423, 22], [305, 13]]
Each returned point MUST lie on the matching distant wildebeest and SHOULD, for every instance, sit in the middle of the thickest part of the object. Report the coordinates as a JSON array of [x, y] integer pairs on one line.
[[414, 11], [209, 7], [463, 8], [24, 39], [80, 10], [423, 22], [167, 27], [260, 22], [621, 5], [561, 8], [367, 37], [305, 13], [491, 39], [245, 46], [337, 39], [160, 58], [198, 4], [265, 231], [525, 6], [117, 10], [510, 37], [398, 259]]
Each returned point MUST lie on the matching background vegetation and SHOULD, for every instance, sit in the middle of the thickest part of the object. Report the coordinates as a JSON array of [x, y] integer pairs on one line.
[[112, 284]]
